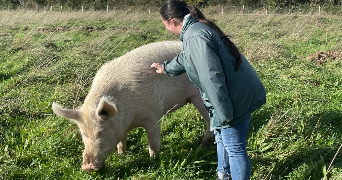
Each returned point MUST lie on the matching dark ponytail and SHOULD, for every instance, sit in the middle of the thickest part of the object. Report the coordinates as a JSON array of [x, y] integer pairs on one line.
[[178, 9]]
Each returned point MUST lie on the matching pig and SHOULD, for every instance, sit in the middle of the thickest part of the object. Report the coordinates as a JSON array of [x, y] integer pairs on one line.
[[127, 93]]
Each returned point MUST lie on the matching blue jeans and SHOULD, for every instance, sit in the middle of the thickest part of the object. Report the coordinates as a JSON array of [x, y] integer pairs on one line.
[[231, 151]]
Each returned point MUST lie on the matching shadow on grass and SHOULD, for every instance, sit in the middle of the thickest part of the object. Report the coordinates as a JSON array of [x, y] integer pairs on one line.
[[137, 161], [166, 163], [4, 77], [127, 166], [261, 117], [321, 141], [328, 122], [311, 160]]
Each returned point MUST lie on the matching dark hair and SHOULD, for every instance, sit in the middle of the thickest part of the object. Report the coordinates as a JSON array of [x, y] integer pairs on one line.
[[178, 9]]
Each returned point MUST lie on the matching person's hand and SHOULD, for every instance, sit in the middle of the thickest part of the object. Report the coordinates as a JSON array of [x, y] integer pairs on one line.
[[159, 68]]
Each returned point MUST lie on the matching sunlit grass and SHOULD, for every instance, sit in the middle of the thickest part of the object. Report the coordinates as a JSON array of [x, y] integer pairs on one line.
[[50, 57]]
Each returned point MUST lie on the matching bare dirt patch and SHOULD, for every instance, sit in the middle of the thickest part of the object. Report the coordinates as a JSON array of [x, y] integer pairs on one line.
[[322, 57], [54, 29], [102, 28], [89, 29], [92, 29]]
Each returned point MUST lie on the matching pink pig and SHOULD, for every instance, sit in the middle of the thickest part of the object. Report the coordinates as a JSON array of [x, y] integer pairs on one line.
[[127, 93]]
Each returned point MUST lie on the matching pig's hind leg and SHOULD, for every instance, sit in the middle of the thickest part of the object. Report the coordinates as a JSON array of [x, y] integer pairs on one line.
[[208, 138]]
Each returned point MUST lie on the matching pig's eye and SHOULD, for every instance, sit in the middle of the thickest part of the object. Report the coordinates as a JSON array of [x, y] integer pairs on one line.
[[87, 137], [100, 133]]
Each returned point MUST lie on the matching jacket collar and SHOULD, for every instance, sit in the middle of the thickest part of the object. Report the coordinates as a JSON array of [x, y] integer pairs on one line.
[[187, 22]]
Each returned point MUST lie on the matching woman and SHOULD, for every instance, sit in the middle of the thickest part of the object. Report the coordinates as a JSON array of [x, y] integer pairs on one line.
[[229, 86]]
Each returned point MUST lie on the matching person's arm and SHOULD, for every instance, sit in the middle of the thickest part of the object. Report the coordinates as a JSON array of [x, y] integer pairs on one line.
[[211, 75], [171, 68]]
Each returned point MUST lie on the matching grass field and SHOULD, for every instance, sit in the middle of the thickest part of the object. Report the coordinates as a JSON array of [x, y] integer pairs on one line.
[[52, 57]]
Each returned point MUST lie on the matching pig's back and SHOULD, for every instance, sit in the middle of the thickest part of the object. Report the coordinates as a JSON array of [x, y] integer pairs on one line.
[[131, 81]]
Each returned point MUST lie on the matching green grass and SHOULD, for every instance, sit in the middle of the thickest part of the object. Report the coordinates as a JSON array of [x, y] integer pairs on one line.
[[49, 57]]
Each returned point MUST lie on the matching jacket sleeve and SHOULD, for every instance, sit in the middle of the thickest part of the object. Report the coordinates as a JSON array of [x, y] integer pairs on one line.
[[202, 53], [174, 67]]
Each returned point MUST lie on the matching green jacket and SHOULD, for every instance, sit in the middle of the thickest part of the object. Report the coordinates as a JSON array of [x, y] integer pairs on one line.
[[228, 96]]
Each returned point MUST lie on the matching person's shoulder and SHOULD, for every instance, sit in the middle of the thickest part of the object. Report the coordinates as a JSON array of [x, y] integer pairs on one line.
[[199, 30], [198, 26]]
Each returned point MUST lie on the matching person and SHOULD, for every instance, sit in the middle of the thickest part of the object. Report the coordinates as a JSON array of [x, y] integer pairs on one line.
[[230, 88]]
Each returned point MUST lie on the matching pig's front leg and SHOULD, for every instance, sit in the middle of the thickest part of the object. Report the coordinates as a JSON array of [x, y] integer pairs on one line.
[[121, 146]]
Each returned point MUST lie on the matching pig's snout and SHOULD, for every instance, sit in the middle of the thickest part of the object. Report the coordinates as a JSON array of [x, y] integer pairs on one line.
[[91, 163], [88, 167]]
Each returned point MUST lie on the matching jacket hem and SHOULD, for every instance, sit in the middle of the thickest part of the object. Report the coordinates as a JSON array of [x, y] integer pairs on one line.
[[235, 121]]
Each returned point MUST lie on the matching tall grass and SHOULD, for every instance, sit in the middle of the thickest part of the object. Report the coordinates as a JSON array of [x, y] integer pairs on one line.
[[48, 57]]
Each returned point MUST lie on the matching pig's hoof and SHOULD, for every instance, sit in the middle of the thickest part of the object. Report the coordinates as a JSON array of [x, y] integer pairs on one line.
[[153, 154], [121, 152]]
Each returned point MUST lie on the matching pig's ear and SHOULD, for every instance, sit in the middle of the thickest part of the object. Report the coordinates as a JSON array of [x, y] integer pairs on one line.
[[105, 109], [73, 115]]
